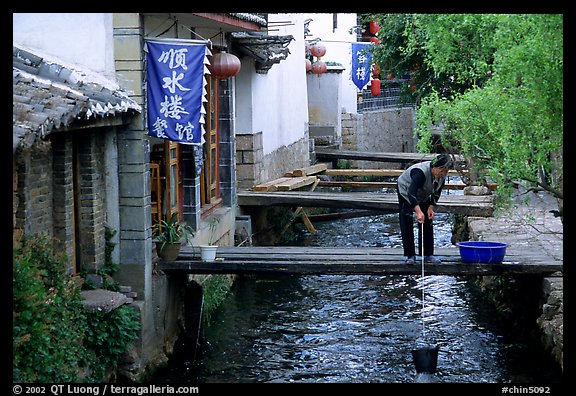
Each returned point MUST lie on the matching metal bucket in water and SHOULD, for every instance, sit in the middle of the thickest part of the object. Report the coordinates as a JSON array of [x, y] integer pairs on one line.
[[425, 359]]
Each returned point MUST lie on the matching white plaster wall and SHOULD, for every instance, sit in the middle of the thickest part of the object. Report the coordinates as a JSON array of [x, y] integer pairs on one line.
[[83, 39], [338, 44], [323, 98], [243, 103], [275, 103]]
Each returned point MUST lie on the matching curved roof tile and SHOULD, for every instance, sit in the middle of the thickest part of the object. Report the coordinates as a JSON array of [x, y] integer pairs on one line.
[[49, 97]]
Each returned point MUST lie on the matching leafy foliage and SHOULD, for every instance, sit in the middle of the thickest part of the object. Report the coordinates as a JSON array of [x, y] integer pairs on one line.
[[108, 335], [172, 231], [48, 313], [491, 83], [216, 289], [213, 226], [109, 267], [54, 339]]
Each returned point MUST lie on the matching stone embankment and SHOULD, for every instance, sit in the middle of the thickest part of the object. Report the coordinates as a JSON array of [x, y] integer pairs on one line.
[[533, 226]]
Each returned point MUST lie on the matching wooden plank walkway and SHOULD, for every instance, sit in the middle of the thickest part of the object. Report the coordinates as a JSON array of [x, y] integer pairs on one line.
[[468, 205], [360, 261]]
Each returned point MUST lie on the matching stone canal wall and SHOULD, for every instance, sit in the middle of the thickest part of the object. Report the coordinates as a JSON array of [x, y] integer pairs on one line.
[[533, 226]]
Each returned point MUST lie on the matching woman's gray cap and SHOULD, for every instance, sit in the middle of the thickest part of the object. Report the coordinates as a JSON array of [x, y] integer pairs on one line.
[[442, 160]]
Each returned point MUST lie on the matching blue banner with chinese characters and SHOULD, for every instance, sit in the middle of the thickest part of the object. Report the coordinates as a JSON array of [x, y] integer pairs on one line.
[[361, 63], [175, 88]]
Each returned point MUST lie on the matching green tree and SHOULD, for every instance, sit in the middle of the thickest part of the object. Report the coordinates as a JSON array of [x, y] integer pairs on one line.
[[491, 83]]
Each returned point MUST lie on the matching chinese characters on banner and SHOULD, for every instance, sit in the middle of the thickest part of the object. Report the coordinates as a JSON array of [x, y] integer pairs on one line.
[[176, 87], [361, 60]]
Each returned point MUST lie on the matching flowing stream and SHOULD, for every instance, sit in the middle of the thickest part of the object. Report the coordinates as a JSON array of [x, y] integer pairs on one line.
[[360, 328]]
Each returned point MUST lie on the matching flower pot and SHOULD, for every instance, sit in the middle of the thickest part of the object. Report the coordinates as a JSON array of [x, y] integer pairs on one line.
[[208, 252], [169, 252]]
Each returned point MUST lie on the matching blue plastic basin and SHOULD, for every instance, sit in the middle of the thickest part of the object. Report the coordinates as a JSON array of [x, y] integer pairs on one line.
[[482, 251]]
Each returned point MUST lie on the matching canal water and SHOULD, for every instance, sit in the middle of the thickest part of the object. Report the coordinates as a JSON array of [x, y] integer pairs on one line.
[[360, 328]]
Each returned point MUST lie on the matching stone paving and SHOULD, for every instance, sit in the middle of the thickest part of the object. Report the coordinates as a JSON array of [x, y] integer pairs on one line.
[[533, 226]]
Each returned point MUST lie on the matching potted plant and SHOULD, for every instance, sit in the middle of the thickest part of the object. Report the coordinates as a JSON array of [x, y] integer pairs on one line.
[[169, 236], [208, 252]]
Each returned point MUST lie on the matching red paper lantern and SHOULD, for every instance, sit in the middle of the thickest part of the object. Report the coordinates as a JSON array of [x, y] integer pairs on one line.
[[374, 27], [375, 40], [375, 71], [318, 67], [318, 50], [308, 65], [224, 65], [375, 87]]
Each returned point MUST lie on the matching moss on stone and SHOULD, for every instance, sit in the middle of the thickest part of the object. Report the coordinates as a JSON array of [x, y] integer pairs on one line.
[[215, 290]]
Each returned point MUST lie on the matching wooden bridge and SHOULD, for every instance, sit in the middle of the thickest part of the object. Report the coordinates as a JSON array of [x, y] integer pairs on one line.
[[289, 191], [468, 205], [276, 260], [298, 187]]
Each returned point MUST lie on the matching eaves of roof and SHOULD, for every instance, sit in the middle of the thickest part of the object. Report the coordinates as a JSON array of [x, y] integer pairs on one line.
[[244, 21], [50, 97]]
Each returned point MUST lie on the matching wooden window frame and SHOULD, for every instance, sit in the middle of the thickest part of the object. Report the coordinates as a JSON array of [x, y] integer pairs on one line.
[[210, 176]]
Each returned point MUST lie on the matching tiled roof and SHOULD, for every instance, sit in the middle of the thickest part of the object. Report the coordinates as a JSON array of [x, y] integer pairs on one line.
[[256, 18], [48, 96]]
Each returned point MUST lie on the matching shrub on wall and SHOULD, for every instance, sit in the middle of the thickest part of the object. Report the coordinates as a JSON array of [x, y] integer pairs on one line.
[[54, 340], [48, 316], [107, 337]]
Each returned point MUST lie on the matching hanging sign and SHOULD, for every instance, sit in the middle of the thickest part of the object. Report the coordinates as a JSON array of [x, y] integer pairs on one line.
[[175, 88], [361, 61]]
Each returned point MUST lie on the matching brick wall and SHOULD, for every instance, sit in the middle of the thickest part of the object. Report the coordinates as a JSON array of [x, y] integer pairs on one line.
[[34, 211], [45, 196], [63, 195], [92, 193], [253, 167], [249, 155]]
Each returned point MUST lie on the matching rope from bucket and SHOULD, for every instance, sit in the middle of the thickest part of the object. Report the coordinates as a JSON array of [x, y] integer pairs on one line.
[[422, 278], [425, 357]]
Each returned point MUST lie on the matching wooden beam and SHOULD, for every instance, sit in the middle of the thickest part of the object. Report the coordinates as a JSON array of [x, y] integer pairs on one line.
[[342, 215], [308, 223], [270, 185], [285, 183], [294, 183], [397, 267], [309, 170], [303, 215], [404, 158], [491, 186], [374, 172]]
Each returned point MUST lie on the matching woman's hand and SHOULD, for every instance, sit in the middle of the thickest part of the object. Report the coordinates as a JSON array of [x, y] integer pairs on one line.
[[430, 212], [419, 214]]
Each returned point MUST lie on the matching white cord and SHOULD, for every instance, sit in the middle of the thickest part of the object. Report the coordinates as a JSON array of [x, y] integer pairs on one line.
[[422, 279], [422, 246]]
